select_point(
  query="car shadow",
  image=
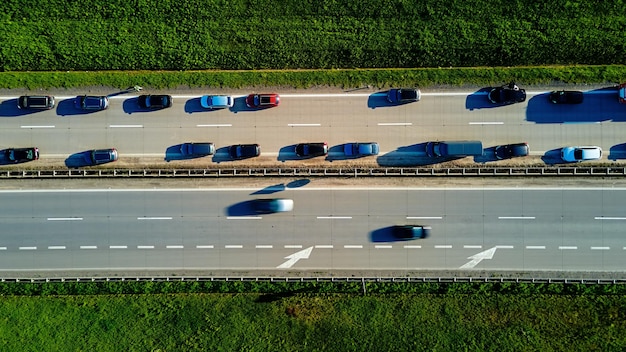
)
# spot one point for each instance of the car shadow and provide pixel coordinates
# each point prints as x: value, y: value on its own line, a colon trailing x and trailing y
x: 9, y: 108
x: 378, y: 100
x: 384, y: 234
x: 598, y: 105
x: 270, y: 189
x: 193, y: 106
x: 410, y: 155
x: 479, y: 100
x: 553, y: 157
x: 80, y: 159
x: 245, y: 208
x: 489, y: 154
x: 131, y: 106
x: 617, y: 151
x: 298, y: 183
x: 288, y: 153
x: 239, y: 105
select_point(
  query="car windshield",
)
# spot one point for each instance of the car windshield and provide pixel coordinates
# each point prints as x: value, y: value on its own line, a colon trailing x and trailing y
x: 578, y: 154
x: 408, y: 94
x: 265, y: 100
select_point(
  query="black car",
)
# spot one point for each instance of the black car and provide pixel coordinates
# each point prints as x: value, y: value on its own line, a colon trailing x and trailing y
x: 310, y: 150
x: 507, y: 94
x: 409, y: 232
x: 508, y: 151
x: 43, y: 102
x: 154, y: 101
x: 566, y: 97
x: 21, y: 155
x: 101, y: 156
x: 403, y: 95
x: 90, y: 102
x: 244, y: 151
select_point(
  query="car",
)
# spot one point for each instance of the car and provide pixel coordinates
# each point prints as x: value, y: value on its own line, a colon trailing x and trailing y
x: 214, y: 102
x: 197, y: 149
x: 21, y: 155
x: 275, y: 205
x: 508, y: 151
x: 403, y: 95
x: 90, y: 102
x: 35, y: 102
x: 575, y: 154
x: 310, y: 150
x: 154, y: 101
x: 101, y: 156
x: 410, y: 232
x: 622, y: 93
x: 243, y: 151
x: 566, y: 97
x: 361, y: 149
x: 261, y: 101
x: 507, y: 94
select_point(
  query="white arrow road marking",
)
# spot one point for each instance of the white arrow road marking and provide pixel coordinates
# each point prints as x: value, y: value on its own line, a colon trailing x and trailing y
x: 477, y: 258
x: 303, y: 254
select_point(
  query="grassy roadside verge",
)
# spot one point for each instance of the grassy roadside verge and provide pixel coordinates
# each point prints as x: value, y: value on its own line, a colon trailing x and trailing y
x: 353, y: 78
x: 208, y: 316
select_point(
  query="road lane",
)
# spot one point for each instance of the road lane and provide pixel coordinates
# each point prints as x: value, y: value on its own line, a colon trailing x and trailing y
x: 533, y: 229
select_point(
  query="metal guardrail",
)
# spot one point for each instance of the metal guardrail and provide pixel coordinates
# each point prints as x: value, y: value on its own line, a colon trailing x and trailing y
x: 316, y: 172
x: 325, y: 279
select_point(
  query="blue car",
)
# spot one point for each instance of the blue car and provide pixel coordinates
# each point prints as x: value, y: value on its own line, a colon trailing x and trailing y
x: 360, y: 149
x: 403, y: 95
x: 213, y: 102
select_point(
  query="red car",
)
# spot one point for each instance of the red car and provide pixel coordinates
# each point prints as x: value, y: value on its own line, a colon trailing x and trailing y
x: 261, y: 101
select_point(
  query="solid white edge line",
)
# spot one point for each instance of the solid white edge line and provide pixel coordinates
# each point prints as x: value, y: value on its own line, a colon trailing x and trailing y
x: 88, y: 247
x: 383, y: 246
x: 324, y: 246
x: 145, y: 247
x: 233, y: 246
x: 535, y: 247
x: 56, y: 247
x: 204, y: 246
x: 568, y: 247
x: 264, y: 246
x: 353, y: 246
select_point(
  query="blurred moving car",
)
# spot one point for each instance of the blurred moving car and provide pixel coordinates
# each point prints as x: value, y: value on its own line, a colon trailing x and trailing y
x: 244, y: 151
x: 622, y: 93
x: 507, y: 94
x: 214, y: 102
x: 21, y: 155
x: 261, y: 101
x: 197, y: 149
x: 575, y: 154
x: 35, y: 102
x: 154, y: 101
x: 508, y: 151
x: 310, y: 150
x: 566, y: 97
x: 276, y: 205
x: 102, y: 156
x: 409, y: 232
x: 403, y: 95
x: 361, y: 149
x: 90, y: 102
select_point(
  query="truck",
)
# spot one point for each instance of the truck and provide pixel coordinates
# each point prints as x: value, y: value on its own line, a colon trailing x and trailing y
x: 454, y: 148
x: 197, y: 149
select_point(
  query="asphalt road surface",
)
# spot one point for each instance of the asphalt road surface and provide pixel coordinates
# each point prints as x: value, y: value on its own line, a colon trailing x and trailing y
x: 334, y: 118
x: 560, y: 229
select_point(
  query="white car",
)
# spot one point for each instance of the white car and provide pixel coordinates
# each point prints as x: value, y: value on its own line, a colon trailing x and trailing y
x: 575, y: 154
x: 276, y: 205
x: 216, y: 102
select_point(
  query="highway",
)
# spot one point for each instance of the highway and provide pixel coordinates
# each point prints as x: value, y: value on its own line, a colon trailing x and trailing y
x: 560, y: 229
x: 335, y: 118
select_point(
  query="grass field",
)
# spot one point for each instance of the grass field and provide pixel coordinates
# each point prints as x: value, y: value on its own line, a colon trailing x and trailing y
x: 242, y: 34
x: 321, y: 322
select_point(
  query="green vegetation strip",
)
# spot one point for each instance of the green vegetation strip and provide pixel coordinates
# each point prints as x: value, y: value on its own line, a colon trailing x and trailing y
x: 190, y: 316
x: 377, y: 78
x: 260, y: 34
